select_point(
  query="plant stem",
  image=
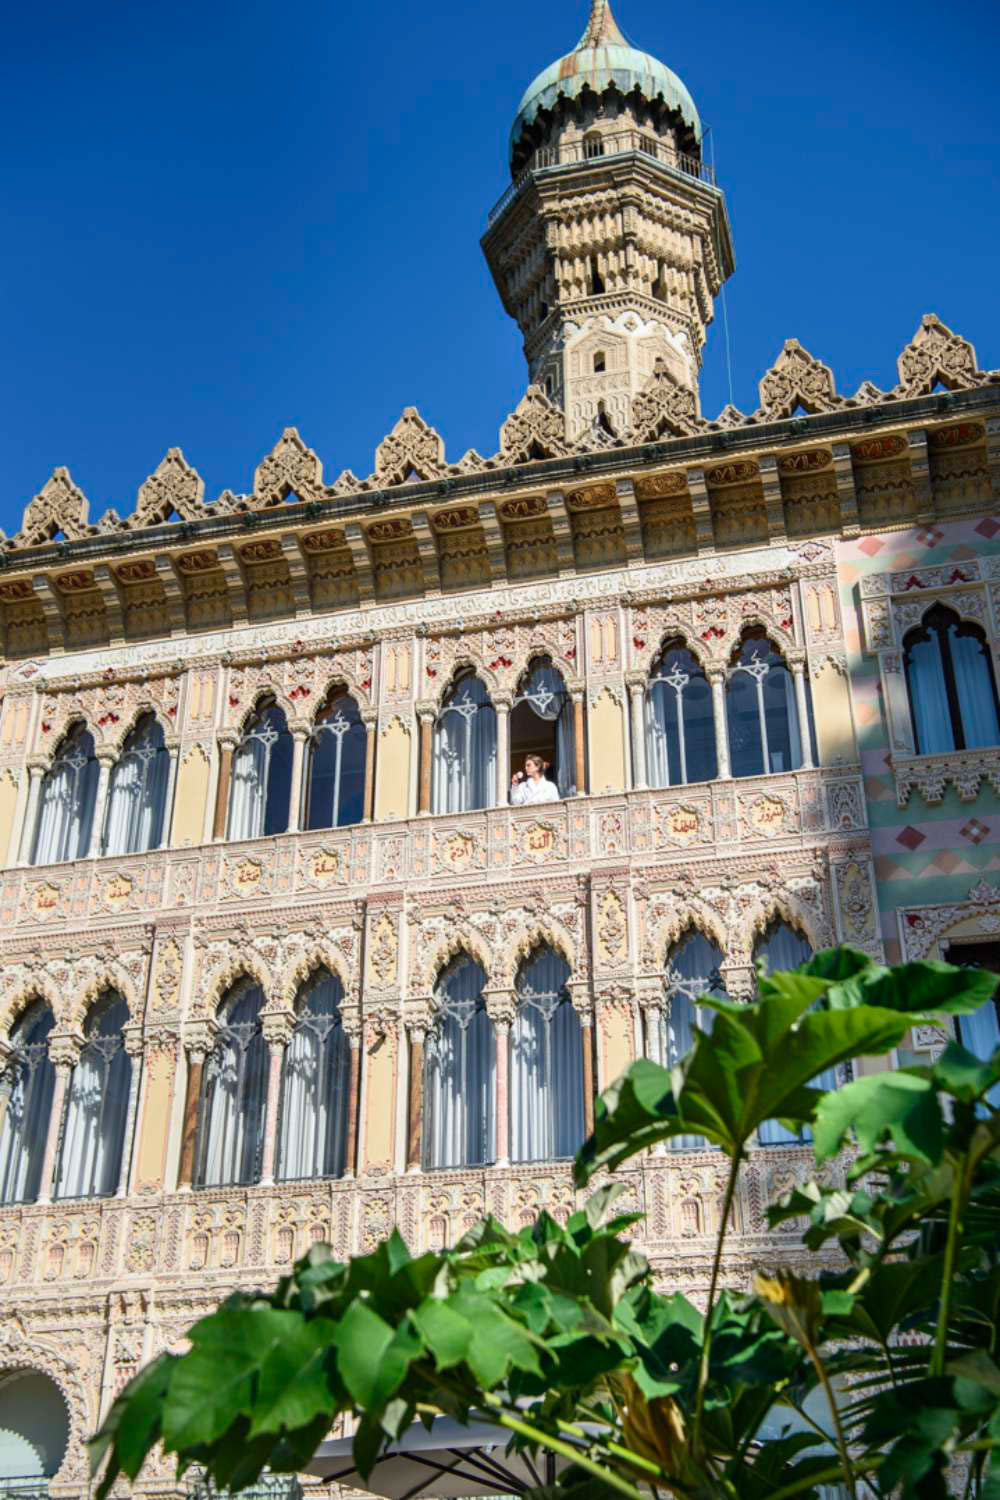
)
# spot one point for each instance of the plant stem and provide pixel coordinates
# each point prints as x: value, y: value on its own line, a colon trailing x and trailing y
x: 568, y: 1451
x: 825, y: 1476
x: 706, y: 1344
x: 950, y: 1249
x: 845, y: 1458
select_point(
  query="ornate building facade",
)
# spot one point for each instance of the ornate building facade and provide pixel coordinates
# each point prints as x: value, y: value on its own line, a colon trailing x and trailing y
x: 283, y: 959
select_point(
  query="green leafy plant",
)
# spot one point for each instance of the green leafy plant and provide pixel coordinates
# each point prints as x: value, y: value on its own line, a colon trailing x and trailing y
x: 880, y: 1369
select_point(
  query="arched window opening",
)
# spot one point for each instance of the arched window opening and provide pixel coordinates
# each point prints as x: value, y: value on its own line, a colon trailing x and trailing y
x: 97, y: 1106
x: 953, y: 691
x: 782, y: 948
x: 546, y: 1056
x: 234, y: 1095
x: 680, y: 726
x: 694, y: 969
x: 593, y: 145
x: 262, y: 775
x: 659, y: 287
x: 137, y: 795
x: 596, y: 279
x: 541, y: 723
x: 34, y: 1432
x: 460, y: 1072
x: 465, y: 748
x: 68, y: 797
x: 31, y: 1078
x: 335, y: 789
x: 600, y: 362
x: 316, y: 1075
x: 762, y: 713
x: 980, y: 1032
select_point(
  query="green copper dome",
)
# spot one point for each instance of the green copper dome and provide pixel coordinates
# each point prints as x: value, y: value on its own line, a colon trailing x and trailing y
x: 603, y: 58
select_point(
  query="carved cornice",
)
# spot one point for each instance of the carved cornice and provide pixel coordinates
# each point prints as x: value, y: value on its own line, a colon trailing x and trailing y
x: 965, y: 770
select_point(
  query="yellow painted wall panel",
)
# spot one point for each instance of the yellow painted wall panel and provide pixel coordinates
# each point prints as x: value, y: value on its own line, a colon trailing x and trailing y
x: 834, y: 725
x: 189, y: 803
x: 392, y: 773
x: 607, y: 746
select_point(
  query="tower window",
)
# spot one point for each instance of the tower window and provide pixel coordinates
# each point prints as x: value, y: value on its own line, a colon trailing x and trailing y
x: 596, y: 279
x: 600, y: 363
x: 592, y: 145
x: 548, y: 385
x: 660, y: 284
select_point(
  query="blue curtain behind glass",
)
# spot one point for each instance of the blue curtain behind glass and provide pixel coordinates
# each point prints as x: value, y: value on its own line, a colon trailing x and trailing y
x: 974, y: 683
x: 928, y: 698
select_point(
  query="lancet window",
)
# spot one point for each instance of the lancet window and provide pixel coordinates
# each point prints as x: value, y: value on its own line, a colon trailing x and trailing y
x: 234, y: 1093
x: 97, y: 1106
x: 460, y: 1072
x: 316, y: 1077
x: 335, y: 789
x: 465, y: 748
x: 680, y: 727
x: 137, y: 795
x: 694, y: 969
x: 951, y: 683
x: 262, y: 775
x: 31, y: 1078
x: 68, y: 798
x: 541, y: 723
x: 546, y: 1056
x: 782, y: 948
x: 763, y: 717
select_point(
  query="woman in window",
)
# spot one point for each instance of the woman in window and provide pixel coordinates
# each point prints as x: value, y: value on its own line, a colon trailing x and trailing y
x: 459, y: 1098
x: 763, y: 716
x: 69, y: 793
x: 680, y: 728
x: 953, y: 692
x: 546, y: 1075
x: 541, y: 725
x: 464, y: 760
x: 532, y: 784
x: 335, y: 789
x: 314, y: 1106
x: 780, y: 949
x: 138, y: 792
x: 262, y: 775
x: 235, y: 1093
x: 94, y: 1134
x: 694, y: 969
x: 25, y: 1127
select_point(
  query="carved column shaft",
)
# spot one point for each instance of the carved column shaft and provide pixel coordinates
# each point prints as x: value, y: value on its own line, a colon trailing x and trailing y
x: 723, y: 771
x: 502, y: 1031
x: 100, y: 805
x: 369, y: 803
x: 637, y: 696
x: 587, y: 1040
x: 128, y: 1148
x: 426, y: 740
x: 580, y: 745
x: 277, y: 1053
x: 805, y: 738
x: 414, y: 1133
x: 35, y: 774
x: 62, y: 1072
x: 503, y: 752
x: 222, y: 791
x: 189, y: 1125
x: 168, y: 801
x: 353, y: 1098
x: 295, y: 789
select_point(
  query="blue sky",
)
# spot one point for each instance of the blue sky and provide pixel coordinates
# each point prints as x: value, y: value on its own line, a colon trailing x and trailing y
x: 222, y: 219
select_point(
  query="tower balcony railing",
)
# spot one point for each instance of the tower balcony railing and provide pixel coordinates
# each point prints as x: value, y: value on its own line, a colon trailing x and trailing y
x: 593, y: 148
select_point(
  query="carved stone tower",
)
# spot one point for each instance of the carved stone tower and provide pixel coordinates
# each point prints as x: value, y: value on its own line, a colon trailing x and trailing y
x: 612, y: 239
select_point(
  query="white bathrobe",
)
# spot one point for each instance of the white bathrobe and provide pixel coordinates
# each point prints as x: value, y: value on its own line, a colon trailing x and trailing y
x: 528, y: 791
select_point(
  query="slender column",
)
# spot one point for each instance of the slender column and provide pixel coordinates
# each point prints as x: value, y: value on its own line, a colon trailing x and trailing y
x: 717, y: 678
x: 805, y: 738
x: 502, y: 1032
x: 587, y: 1039
x: 637, y: 694
x: 14, y: 842
x: 6, y: 1082
x: 353, y: 1103
x: 189, y: 1126
x: 64, y: 1051
x: 105, y: 762
x: 425, y: 714
x: 295, y: 790
x: 276, y: 1033
x: 133, y: 1046
x: 502, y: 705
x: 36, y: 774
x: 168, y: 802
x: 368, y: 719
x: 414, y: 1134
x: 222, y: 789
x: 580, y: 744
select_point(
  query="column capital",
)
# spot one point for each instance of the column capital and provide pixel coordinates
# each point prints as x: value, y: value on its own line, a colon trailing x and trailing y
x: 426, y: 710
x: 227, y: 739
x: 501, y: 1004
x: 133, y: 1040
x: 369, y: 717
x: 65, y: 1048
x: 106, y: 756
x: 635, y: 682
x: 277, y: 1027
x: 504, y: 701
x: 199, y: 1039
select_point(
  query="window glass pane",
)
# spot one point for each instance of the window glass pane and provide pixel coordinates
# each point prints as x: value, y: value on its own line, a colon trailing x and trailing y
x: 974, y: 686
x: 745, y: 751
x: 928, y: 696
x: 337, y: 767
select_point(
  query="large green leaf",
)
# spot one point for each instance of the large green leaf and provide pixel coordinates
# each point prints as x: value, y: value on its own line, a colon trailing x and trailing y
x: 901, y: 1106
x: 294, y: 1381
x: 132, y: 1427
x: 372, y: 1356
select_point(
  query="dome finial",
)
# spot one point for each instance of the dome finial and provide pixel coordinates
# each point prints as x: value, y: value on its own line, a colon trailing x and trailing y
x: 602, y: 28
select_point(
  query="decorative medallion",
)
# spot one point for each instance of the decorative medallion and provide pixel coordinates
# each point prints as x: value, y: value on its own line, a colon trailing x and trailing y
x: 874, y: 448
x: 255, y: 552
x: 596, y: 498
x: 768, y: 816
x: 523, y: 508
x: 682, y: 825
x: 323, y: 867
x: 45, y: 901
x: 734, y: 473
x: 74, y: 583
x: 389, y: 531
x: 246, y: 877
x: 457, y: 852
x: 116, y: 891
x: 323, y: 541
x: 655, y: 486
x: 456, y: 520
x: 538, y: 841
x: 806, y: 462
x: 959, y: 436
x: 197, y: 562
x: 136, y: 572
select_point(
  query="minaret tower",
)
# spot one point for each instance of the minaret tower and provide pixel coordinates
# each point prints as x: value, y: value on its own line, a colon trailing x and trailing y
x: 612, y: 239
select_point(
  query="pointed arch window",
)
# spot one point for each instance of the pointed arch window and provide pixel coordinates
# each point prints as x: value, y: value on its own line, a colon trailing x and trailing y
x: 782, y: 948
x: 761, y: 708
x: 97, y: 1106
x: 31, y: 1080
x: 541, y: 723
x: 335, y: 789
x: 980, y: 1032
x: 137, y: 794
x: 68, y: 798
x: 680, y: 725
x: 262, y: 775
x: 951, y: 683
x: 316, y: 1077
x: 464, y: 760
x: 694, y: 969
x: 460, y: 1072
x: 546, y: 1056
x: 234, y: 1093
